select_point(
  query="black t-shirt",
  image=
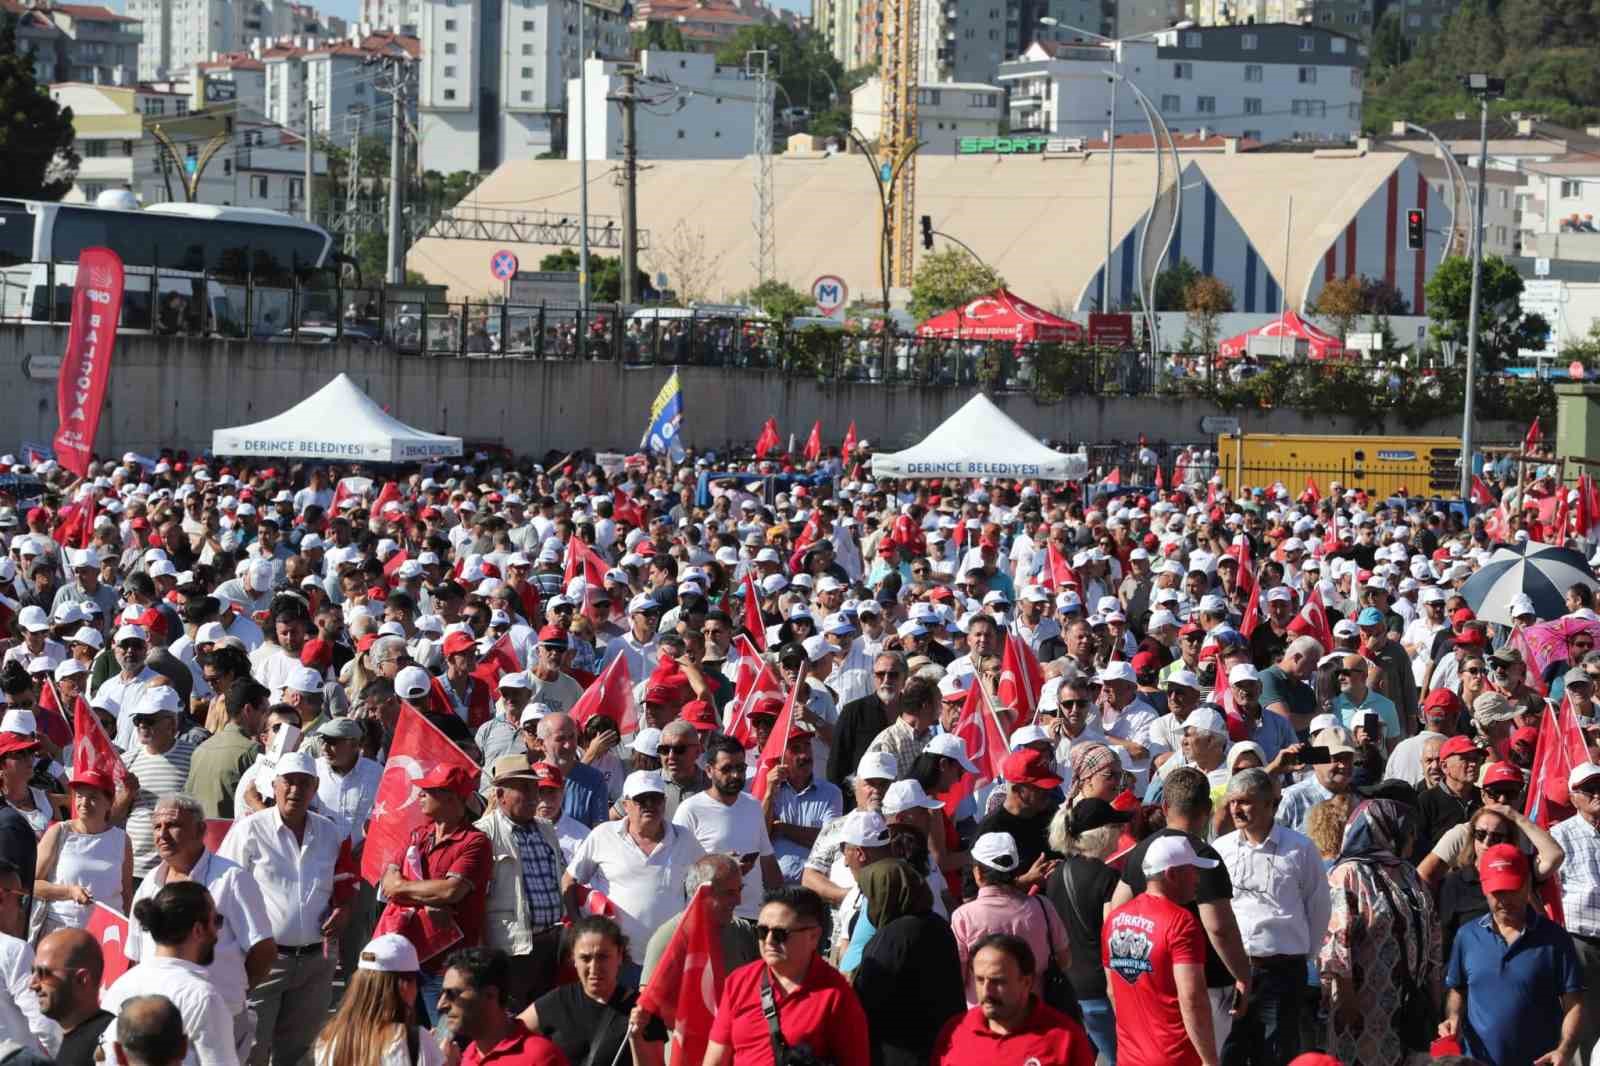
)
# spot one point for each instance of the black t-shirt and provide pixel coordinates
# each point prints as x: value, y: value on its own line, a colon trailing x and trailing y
x: 451, y: 726
x: 1031, y: 832
x: 587, y: 1031
x: 1439, y: 810
x: 909, y: 983
x: 1461, y: 900
x: 1079, y: 889
x: 1213, y: 885
x: 77, y: 1047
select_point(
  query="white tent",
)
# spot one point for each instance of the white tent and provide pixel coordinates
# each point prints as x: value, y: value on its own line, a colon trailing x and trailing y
x: 980, y: 440
x: 338, y: 421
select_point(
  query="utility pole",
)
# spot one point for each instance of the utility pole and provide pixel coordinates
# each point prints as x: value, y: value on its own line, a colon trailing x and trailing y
x: 311, y: 110
x: 1483, y: 87
x: 583, y: 165
x: 397, y: 86
x: 630, y: 185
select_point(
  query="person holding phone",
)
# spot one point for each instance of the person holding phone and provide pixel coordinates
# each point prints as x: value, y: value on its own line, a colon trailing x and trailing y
x: 1332, y: 758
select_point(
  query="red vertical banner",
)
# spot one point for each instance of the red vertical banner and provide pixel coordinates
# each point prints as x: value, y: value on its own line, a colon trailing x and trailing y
x: 86, y: 364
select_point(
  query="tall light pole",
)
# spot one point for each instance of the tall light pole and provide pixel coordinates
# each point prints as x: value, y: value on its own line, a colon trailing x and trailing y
x: 1483, y: 87
x: 583, y: 175
x: 1115, y: 44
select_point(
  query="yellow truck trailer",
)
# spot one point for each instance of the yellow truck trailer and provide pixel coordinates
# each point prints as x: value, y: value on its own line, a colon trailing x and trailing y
x: 1423, y: 466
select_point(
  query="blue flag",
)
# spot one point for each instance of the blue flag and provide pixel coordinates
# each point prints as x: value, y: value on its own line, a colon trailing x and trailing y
x: 666, y: 419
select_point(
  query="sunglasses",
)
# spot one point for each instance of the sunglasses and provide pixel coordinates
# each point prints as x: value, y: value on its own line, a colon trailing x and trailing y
x: 886, y: 673
x: 674, y: 749
x: 779, y: 935
x: 1072, y: 703
x: 1484, y: 836
x: 1476, y: 671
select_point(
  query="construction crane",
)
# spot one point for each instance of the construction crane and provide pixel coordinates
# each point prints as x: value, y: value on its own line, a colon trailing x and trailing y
x: 900, y: 36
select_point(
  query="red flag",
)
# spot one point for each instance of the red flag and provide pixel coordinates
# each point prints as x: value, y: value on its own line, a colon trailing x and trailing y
x: 1556, y: 532
x: 1480, y: 494
x: 979, y: 732
x: 349, y: 488
x: 611, y: 694
x: 778, y: 740
x: 418, y: 747
x: 1021, y: 678
x: 217, y: 832
x: 753, y: 624
x: 1313, y: 621
x: 1161, y: 481
x: 110, y: 928
x: 1530, y: 443
x: 1211, y: 494
x: 86, y: 365
x: 1561, y: 746
x: 814, y: 442
x: 625, y: 510
x: 686, y: 986
x: 91, y: 749
x: 74, y: 524
x: 808, y: 533
x: 392, y: 565
x: 755, y: 681
x: 768, y: 439
x: 390, y: 493
x: 848, y: 448
x: 1248, y: 587
x: 580, y: 554
x: 50, y: 716
x: 499, y: 660
x: 1312, y: 489
x: 1115, y: 477
x: 1057, y: 574
x: 1582, y: 517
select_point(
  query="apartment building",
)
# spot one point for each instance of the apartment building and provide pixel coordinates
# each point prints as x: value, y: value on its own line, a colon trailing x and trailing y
x: 337, y: 81
x: 239, y: 78
x: 78, y: 42
x: 1261, y: 83
x: 705, y: 111
x: 180, y: 33
x: 947, y: 112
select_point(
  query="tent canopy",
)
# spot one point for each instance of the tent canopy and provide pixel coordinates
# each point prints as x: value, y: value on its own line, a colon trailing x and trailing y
x: 980, y: 440
x: 1292, y: 328
x: 1002, y: 315
x: 338, y: 421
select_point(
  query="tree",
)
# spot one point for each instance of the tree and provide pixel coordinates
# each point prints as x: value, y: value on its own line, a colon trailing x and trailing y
x: 780, y: 300
x: 1389, y: 45
x: 685, y: 257
x: 35, y: 132
x: 659, y: 36
x: 605, y: 274
x: 950, y: 278
x: 1342, y: 302
x: 1206, y: 300
x: 1503, y: 328
x: 799, y: 58
x: 1172, y: 286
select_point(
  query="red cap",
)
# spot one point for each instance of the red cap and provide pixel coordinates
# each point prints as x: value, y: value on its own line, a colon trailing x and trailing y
x: 771, y: 706
x: 1143, y: 662
x: 700, y: 714
x: 1502, y: 868
x: 457, y: 779
x: 15, y: 742
x: 1471, y: 638
x: 1190, y: 629
x: 1442, y: 703
x: 547, y: 775
x: 989, y: 542
x: 458, y: 642
x: 95, y: 779
x: 365, y: 642
x: 153, y: 621
x: 1028, y: 766
x: 1501, y: 773
x: 377, y: 592
x: 317, y: 654
x: 37, y: 514
x: 1460, y: 746
x: 1525, y: 735
x: 660, y: 692
x: 1315, y: 1058
x: 1463, y: 614
x: 553, y: 635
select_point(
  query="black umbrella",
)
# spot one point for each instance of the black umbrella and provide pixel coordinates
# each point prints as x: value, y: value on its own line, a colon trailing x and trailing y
x: 1541, y: 572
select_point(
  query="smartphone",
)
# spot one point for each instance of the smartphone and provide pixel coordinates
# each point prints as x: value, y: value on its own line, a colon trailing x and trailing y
x: 1314, y: 756
x: 749, y: 858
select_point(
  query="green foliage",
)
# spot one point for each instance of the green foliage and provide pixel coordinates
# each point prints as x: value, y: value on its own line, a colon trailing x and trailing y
x: 659, y: 36
x: 1502, y: 326
x: 780, y: 300
x: 949, y: 278
x: 605, y: 273
x: 1172, y: 285
x: 800, y: 58
x: 1389, y: 45
x: 35, y: 131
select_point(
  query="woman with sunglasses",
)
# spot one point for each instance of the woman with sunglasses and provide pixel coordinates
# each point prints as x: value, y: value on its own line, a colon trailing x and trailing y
x: 592, y: 1018
x: 816, y: 1008
x: 1452, y: 865
x: 376, y: 1021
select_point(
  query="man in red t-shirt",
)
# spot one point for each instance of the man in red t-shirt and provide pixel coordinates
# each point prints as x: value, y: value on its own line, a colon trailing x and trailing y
x: 472, y: 1005
x: 1010, y: 1023
x: 1154, y: 954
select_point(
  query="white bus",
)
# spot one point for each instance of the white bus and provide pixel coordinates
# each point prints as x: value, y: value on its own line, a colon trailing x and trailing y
x: 175, y: 257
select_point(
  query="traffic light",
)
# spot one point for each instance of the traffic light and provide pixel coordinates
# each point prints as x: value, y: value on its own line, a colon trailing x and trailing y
x: 1416, y: 228
x: 927, y: 233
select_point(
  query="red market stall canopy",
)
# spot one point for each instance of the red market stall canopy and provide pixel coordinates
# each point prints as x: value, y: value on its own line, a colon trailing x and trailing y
x: 1292, y: 328
x: 1002, y: 316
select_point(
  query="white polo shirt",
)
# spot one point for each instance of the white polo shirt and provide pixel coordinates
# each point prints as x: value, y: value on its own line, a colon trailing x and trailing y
x: 646, y: 890
x: 738, y: 828
x: 244, y: 922
x: 206, y: 1021
x: 296, y: 877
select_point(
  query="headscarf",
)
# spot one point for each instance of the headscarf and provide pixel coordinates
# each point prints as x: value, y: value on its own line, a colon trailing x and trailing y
x: 893, y: 888
x: 1088, y: 760
x: 1376, y: 829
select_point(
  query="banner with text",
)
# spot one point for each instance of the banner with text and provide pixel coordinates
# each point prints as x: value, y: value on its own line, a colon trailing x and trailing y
x: 86, y: 365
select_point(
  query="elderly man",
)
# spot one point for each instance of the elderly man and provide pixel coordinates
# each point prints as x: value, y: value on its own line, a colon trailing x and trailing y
x: 737, y: 935
x: 1284, y: 687
x: 1272, y: 731
x: 679, y: 751
x: 525, y: 908
x: 1453, y: 800
x: 909, y: 734
x: 587, y: 798
x: 245, y: 949
x: 1441, y: 718
x: 1282, y: 905
x: 826, y: 872
x: 862, y: 721
x: 546, y: 681
x: 347, y: 787
x: 628, y: 861
x: 1205, y: 747
x: 157, y: 766
x: 127, y: 687
x: 1356, y: 695
x: 501, y: 734
x: 798, y: 804
x: 1125, y: 719
x: 1327, y: 779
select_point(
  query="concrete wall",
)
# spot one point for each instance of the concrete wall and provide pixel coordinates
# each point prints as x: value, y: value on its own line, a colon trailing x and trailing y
x: 175, y: 392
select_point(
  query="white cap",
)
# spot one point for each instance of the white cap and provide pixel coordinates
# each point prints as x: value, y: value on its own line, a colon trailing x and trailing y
x: 866, y: 829
x: 911, y: 628
x: 70, y: 668
x: 1322, y: 721
x: 877, y: 766
x: 949, y: 745
x: 1243, y: 673
x: 817, y: 646
x: 1117, y: 671
x: 1167, y: 852
x: 1279, y: 593
x: 304, y: 679
x: 295, y: 762
x: 533, y: 712
x: 516, y: 680
x: 1580, y: 773
x: 33, y: 619
x: 159, y: 699
x: 18, y: 720
x: 1184, y: 679
x: 643, y: 783
x: 1206, y: 720
x: 1522, y: 604
x: 131, y: 633
x: 646, y: 742
x: 1028, y: 734
x: 389, y: 953
x: 904, y: 795
x: 88, y: 636
x: 209, y: 633
x: 411, y: 683
x: 998, y: 851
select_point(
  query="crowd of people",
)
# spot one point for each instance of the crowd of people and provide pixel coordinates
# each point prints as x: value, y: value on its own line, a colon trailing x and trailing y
x: 959, y: 771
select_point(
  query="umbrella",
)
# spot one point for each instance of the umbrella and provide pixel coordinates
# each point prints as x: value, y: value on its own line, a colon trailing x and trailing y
x: 1542, y: 572
x: 1548, y: 642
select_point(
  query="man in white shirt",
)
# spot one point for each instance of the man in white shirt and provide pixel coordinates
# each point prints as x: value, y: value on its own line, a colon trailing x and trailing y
x: 638, y: 644
x: 16, y: 964
x: 1125, y: 719
x: 1282, y: 905
x: 245, y: 950
x: 34, y: 625
x: 638, y: 862
x: 127, y: 686
x: 182, y: 921
x: 303, y: 863
x: 347, y: 788
x: 727, y: 820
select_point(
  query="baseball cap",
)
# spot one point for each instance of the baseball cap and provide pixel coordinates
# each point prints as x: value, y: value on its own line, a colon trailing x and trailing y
x: 1028, y: 766
x: 1578, y: 676
x: 389, y: 953
x: 1336, y: 740
x: 1441, y: 703
x: 1243, y: 674
x: 866, y: 829
x: 1168, y: 852
x: 412, y: 683
x: 646, y: 741
x: 1117, y: 671
x: 33, y: 619
x: 458, y: 642
x: 997, y: 851
x: 1581, y: 773
x: 296, y: 762
x: 906, y: 795
x: 877, y: 766
x: 159, y: 699
x: 1206, y: 720
x: 1028, y: 734
x: 1460, y: 746
x: 457, y: 779
x: 1369, y: 616
x: 96, y: 779
x: 950, y: 746
x: 1093, y: 812
x: 644, y: 783
x: 1502, y: 868
x: 304, y: 679
x: 1501, y: 773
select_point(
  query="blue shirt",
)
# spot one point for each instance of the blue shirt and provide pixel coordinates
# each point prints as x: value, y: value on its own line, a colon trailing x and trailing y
x: 1298, y: 799
x: 1346, y: 709
x: 819, y: 804
x: 585, y: 798
x: 1274, y: 733
x: 1513, y: 991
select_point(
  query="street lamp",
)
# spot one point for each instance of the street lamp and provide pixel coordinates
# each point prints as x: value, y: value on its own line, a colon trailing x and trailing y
x: 1484, y: 88
x: 1116, y: 44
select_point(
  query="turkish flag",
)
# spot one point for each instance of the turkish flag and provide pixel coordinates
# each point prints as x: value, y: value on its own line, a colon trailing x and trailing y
x: 814, y: 442
x: 1312, y: 490
x: 499, y: 660
x: 808, y: 533
x: 1057, y: 574
x: 390, y: 493
x: 391, y: 566
x: 1115, y: 477
x: 848, y: 448
x: 978, y: 729
x: 778, y: 741
x: 753, y: 624
x: 610, y: 695
x: 582, y: 558
x: 686, y: 986
x: 110, y: 928
x: 1021, y: 678
x: 1480, y: 493
x: 625, y: 510
x: 1247, y: 586
x: 768, y: 439
x: 347, y: 488
x: 75, y: 524
x: 1161, y: 482
x: 754, y: 681
x: 1312, y: 621
x: 92, y: 750
x: 1561, y: 747
x: 1531, y: 442
x: 418, y: 747
x: 50, y: 717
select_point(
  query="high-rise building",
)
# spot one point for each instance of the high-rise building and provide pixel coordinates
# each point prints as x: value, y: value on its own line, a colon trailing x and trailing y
x: 705, y: 111
x: 180, y: 33
x: 80, y: 43
x: 338, y: 80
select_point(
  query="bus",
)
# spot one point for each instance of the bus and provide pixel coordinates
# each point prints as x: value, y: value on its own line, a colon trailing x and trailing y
x: 1381, y: 465
x: 176, y: 257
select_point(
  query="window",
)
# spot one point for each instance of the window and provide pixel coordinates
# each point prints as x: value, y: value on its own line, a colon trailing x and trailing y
x: 1206, y: 105
x: 527, y: 25
x: 1414, y: 21
x: 1308, y: 75
x: 1253, y: 72
x: 526, y: 96
x: 1248, y: 42
x: 1183, y: 71
x: 1250, y: 135
x: 1353, y: 110
x: 1308, y: 42
x: 361, y: 88
x: 449, y: 72
x: 1309, y: 108
x: 259, y: 187
x: 1252, y: 105
x: 527, y: 49
x: 1191, y: 40
x: 449, y: 24
x: 183, y: 105
x: 527, y: 72
x: 449, y: 48
x: 1171, y: 104
x: 680, y: 135
x: 1571, y: 190
x: 227, y: 166
x: 449, y: 94
x: 1337, y: 45
x: 1355, y: 79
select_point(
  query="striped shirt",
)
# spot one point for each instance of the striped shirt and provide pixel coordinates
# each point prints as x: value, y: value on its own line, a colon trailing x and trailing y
x: 158, y: 775
x: 1580, y: 875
